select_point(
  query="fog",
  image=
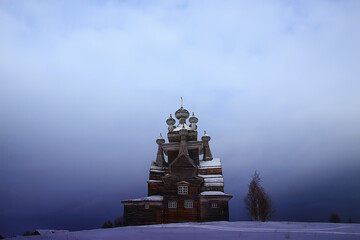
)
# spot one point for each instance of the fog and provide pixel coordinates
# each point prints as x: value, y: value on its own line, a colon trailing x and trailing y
x: 86, y: 88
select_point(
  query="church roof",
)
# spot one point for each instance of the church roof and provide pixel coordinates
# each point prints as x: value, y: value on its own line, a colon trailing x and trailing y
x: 213, y: 180
x: 153, y: 198
x: 214, y: 163
x: 214, y: 193
x: 181, y: 126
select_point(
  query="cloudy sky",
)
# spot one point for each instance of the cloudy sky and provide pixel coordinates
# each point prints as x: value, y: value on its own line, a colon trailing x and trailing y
x: 86, y: 87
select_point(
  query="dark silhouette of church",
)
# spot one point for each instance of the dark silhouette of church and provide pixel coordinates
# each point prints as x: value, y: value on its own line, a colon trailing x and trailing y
x: 184, y: 188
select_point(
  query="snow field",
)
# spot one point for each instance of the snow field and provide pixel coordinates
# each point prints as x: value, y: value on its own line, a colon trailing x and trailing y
x: 218, y: 231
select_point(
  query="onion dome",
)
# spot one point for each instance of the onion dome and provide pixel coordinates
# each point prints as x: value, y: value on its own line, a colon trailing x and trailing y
x: 182, y: 114
x: 206, y: 150
x: 170, y: 121
x: 193, y: 119
x: 160, y: 140
x: 205, y: 138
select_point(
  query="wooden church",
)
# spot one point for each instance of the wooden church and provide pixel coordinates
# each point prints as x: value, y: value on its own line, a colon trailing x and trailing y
x: 187, y: 187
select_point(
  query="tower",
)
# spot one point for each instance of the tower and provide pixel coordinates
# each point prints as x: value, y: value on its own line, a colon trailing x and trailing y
x: 187, y: 187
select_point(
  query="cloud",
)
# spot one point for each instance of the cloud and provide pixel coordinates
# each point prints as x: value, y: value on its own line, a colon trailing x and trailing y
x: 84, y: 84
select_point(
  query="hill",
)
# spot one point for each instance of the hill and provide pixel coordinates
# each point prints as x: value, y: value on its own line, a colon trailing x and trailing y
x: 216, y: 230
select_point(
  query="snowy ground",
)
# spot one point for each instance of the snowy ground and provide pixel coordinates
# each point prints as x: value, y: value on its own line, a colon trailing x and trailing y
x: 218, y: 231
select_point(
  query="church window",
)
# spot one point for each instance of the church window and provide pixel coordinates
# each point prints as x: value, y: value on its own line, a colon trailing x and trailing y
x: 146, y: 206
x: 214, y: 205
x: 172, y: 204
x: 182, y: 190
x: 189, y: 204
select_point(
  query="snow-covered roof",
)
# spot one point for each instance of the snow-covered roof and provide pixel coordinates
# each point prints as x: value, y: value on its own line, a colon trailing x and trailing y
x: 149, y: 198
x: 215, y: 163
x: 213, y: 193
x: 214, y: 184
x: 155, y: 168
x: 181, y: 126
x: 210, y: 175
x: 154, y: 181
x: 215, y: 180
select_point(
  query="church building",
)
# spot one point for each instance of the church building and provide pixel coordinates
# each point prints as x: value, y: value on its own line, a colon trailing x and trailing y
x: 188, y: 186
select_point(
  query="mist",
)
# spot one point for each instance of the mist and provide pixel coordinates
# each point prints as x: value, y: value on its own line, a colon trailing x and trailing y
x: 86, y: 88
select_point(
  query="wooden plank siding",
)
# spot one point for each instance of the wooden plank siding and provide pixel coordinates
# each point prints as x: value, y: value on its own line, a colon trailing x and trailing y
x: 220, y: 213
x: 137, y: 214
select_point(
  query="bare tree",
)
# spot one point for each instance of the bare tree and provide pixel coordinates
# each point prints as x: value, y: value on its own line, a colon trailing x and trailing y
x: 258, y: 203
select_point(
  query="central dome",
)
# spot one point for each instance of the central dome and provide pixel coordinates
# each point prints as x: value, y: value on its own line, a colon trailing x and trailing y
x: 182, y: 113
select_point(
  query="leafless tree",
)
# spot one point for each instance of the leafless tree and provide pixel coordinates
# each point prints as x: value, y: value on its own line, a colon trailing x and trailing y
x: 258, y: 203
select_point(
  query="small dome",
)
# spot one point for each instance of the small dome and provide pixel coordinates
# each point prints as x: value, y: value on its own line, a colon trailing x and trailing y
x: 205, y: 138
x: 193, y: 119
x: 170, y: 121
x: 160, y: 139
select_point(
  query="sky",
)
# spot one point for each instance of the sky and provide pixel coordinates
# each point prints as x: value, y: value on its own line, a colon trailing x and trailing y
x: 86, y: 88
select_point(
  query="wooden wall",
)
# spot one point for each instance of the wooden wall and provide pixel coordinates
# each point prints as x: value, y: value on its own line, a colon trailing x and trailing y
x: 137, y: 214
x: 221, y: 213
x: 181, y: 214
